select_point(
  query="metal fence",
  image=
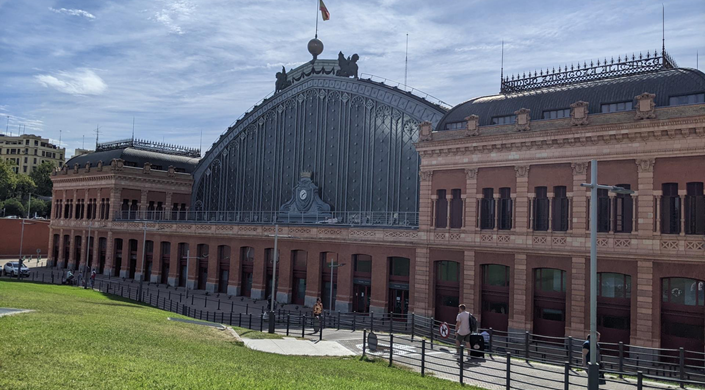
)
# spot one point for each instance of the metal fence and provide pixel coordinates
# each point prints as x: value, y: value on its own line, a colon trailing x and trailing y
x: 344, y: 218
x: 415, y: 341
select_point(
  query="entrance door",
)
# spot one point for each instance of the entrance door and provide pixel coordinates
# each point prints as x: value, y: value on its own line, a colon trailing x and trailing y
x: 223, y: 281
x: 399, y: 301
x: 495, y: 297
x: 549, y: 302
x: 202, y: 276
x: 246, y: 281
x: 447, y: 302
x: 683, y: 318
x: 165, y: 271
x: 183, y: 274
x: 299, y: 291
x: 148, y: 273
x: 361, y: 298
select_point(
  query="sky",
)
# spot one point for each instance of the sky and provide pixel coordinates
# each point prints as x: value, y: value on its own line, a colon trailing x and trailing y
x: 182, y: 68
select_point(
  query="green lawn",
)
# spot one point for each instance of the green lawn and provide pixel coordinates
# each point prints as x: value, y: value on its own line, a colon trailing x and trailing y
x: 81, y: 339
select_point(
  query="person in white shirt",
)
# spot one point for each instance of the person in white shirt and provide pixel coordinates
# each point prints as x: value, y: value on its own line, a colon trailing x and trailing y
x: 462, y: 329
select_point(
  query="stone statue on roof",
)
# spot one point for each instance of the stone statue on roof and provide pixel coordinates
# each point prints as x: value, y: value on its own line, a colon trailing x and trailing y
x: 348, y: 67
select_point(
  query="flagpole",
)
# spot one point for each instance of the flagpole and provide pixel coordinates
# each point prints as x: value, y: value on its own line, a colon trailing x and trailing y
x: 317, y: 6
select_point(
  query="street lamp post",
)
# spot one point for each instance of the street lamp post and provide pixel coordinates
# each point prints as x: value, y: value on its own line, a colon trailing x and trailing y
x: 274, y: 271
x: 593, y: 367
x: 332, y: 266
x: 188, y: 257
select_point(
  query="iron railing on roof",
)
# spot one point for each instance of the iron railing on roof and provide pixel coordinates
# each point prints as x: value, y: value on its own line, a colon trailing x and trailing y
x: 576, y: 74
x: 159, y: 147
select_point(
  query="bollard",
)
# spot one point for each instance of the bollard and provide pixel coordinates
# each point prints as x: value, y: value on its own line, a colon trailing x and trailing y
x: 250, y: 326
x: 364, y: 341
x: 205, y: 301
x: 489, y: 347
x: 157, y: 297
x: 191, y: 297
x: 391, y: 349
x: 509, y: 370
x: 320, y: 327
x: 681, y: 365
x: 288, y: 321
x: 338, y: 319
x: 372, y: 322
x: 247, y: 309
x: 180, y: 298
x: 353, y: 325
x: 391, y: 325
x: 569, y: 349
x: 621, y: 359
x: 232, y: 303
x: 423, y: 357
x: 526, y: 346
x: 239, y: 320
x: 566, y: 376
x: 432, y: 332
x: 412, y: 326
x: 303, y: 325
x: 231, y: 318
x: 218, y: 303
x: 261, y: 322
x: 639, y: 380
x: 462, y: 348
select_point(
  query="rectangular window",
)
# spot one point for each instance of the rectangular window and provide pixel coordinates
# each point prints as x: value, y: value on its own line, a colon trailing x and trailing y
x: 457, y: 125
x: 541, y: 209
x: 505, y: 208
x: 363, y: 264
x: 504, y: 120
x: 25, y: 160
x: 670, y: 209
x: 550, y: 279
x: 616, y: 107
x: 557, y: 114
x: 694, y: 209
x: 448, y: 271
x: 603, y: 211
x: 623, y: 211
x: 456, y: 209
x: 399, y: 266
x: 560, y: 209
x: 495, y: 275
x: 687, y: 99
x: 441, y: 209
x: 487, y: 209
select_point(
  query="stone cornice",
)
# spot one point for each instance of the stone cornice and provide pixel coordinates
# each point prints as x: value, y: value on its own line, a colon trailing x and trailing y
x: 653, y: 130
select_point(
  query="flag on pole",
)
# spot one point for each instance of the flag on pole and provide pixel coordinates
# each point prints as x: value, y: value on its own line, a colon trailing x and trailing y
x: 324, y: 11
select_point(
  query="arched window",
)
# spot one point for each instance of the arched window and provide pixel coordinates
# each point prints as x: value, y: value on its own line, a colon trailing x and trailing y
x: 683, y: 291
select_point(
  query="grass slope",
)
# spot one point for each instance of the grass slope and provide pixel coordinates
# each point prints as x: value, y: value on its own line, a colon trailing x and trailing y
x: 81, y: 339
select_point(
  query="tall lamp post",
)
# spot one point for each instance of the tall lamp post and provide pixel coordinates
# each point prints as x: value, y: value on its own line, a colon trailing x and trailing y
x: 88, y: 248
x: 144, y: 254
x: 189, y: 257
x: 332, y: 266
x: 593, y: 367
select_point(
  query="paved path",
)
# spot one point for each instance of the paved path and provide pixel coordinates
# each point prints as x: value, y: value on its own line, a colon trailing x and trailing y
x: 5, y: 311
x: 293, y: 346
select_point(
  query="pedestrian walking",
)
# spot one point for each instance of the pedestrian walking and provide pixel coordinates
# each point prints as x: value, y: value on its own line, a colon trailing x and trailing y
x: 463, y: 330
x: 317, y: 311
x: 92, y: 279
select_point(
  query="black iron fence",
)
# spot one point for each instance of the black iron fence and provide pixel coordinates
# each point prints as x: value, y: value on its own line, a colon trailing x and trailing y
x: 416, y: 341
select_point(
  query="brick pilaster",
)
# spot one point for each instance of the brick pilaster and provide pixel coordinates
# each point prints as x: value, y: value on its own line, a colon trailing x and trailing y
x: 522, y: 201
x: 578, y: 290
x: 645, y: 335
x: 425, y: 201
x: 645, y: 200
x: 422, y: 278
x: 468, y: 284
x: 579, y: 199
x: 518, y: 320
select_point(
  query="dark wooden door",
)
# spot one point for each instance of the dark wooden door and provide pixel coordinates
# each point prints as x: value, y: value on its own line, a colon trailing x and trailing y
x: 361, y: 298
x: 399, y: 301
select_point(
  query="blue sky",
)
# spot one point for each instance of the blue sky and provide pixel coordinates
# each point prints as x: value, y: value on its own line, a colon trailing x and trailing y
x: 180, y: 67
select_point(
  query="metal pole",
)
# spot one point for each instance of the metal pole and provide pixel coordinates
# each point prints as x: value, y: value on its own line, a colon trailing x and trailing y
x: 144, y: 251
x: 188, y: 256
x: 593, y: 383
x: 19, y: 265
x: 88, y: 248
x: 330, y: 303
x: 274, y: 271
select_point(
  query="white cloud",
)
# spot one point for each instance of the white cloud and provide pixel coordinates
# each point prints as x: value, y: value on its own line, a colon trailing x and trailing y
x: 174, y: 14
x: 73, y: 12
x: 79, y: 82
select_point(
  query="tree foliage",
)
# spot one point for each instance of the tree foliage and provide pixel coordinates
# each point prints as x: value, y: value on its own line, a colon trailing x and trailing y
x: 7, y: 180
x: 24, y: 185
x: 41, y: 175
x: 38, y: 207
x: 13, y: 206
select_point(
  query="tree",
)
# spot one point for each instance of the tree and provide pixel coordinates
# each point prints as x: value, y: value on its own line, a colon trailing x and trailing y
x: 13, y: 206
x: 37, y: 206
x: 7, y: 180
x: 24, y: 186
x: 41, y: 175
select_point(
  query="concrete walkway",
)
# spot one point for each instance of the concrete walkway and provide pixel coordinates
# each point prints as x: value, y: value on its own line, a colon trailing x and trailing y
x: 292, y: 346
x: 5, y: 311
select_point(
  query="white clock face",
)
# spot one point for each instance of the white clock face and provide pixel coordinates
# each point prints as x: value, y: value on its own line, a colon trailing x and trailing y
x: 303, y: 194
